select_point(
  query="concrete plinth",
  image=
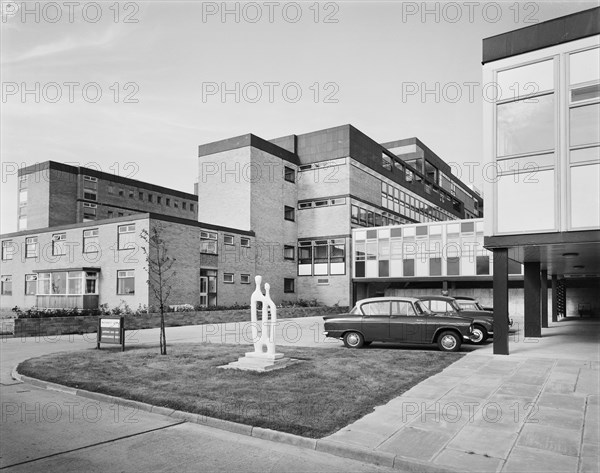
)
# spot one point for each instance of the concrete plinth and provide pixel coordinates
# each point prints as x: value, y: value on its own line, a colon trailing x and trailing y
x: 260, y: 362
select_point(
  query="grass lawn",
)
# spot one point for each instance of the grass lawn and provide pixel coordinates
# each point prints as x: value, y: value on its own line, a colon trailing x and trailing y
x: 328, y: 390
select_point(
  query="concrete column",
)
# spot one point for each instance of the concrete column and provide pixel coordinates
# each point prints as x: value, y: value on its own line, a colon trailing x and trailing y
x: 500, y: 301
x: 544, y: 297
x: 554, y: 298
x: 533, y: 319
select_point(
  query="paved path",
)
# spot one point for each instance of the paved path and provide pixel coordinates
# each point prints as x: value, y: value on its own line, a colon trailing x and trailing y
x: 53, y: 431
x: 534, y: 410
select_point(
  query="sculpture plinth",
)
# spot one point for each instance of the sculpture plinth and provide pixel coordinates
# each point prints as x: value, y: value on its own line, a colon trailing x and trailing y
x: 264, y: 356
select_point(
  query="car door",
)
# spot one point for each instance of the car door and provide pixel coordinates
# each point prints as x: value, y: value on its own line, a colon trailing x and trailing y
x: 376, y: 320
x: 405, y: 325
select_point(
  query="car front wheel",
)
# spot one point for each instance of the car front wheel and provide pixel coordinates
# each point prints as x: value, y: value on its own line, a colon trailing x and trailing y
x: 353, y: 340
x: 448, y: 341
x: 479, y: 335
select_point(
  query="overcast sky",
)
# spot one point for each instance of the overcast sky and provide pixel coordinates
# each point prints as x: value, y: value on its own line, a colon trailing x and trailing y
x: 161, y: 68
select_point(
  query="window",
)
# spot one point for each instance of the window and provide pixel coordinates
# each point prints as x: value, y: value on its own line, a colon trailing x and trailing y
x: 184, y: 205
x: 30, y: 284
x: 131, y: 194
x: 245, y: 278
x: 110, y: 189
x: 91, y: 243
x: 120, y: 214
x: 89, y: 212
x: 176, y: 204
x: 376, y: 308
x: 289, y: 285
x: 228, y: 278
x: 141, y: 195
x: 192, y: 207
x: 289, y: 174
x: 151, y: 198
x: 288, y: 252
x: 58, y: 245
x: 440, y: 307
x: 6, y: 285
x: 121, y: 193
x: 23, y: 182
x: 23, y: 222
x: 31, y: 247
x: 245, y: 242
x: 168, y: 202
x: 22, y: 197
x: 110, y: 214
x: 126, y: 236
x: 91, y: 279
x: 125, y: 282
x: 403, y: 309
x: 74, y: 282
x: 7, y: 250
x: 289, y: 213
x: 228, y: 239
x: 208, y: 243
x: 90, y: 187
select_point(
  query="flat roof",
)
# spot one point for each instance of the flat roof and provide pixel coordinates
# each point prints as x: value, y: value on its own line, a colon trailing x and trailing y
x: 542, y: 35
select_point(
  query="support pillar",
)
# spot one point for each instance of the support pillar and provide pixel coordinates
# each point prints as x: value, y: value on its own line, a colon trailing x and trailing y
x: 554, y: 298
x: 532, y: 286
x: 500, y: 301
x: 544, y: 297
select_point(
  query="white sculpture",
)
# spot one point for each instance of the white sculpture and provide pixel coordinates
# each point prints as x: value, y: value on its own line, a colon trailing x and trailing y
x: 264, y: 357
x: 266, y: 342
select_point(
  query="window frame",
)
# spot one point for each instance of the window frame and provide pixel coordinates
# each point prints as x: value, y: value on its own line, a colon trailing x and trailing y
x: 286, y: 283
x: 289, y: 211
x: 228, y: 278
x: 126, y: 276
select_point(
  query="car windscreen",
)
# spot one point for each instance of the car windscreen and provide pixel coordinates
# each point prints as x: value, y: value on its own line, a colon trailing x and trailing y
x: 422, y: 308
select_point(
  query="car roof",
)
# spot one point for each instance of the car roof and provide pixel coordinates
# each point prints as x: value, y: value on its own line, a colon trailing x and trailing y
x: 390, y: 298
x: 464, y: 298
x: 436, y: 298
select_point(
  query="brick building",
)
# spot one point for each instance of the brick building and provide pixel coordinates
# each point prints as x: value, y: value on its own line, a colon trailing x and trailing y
x: 305, y: 193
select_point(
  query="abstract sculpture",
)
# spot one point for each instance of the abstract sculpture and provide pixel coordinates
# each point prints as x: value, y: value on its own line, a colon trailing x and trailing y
x: 264, y: 357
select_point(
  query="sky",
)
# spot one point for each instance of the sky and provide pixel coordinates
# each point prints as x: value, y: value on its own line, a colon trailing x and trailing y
x: 132, y: 88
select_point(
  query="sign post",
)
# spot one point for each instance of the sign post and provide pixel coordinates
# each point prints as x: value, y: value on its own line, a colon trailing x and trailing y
x: 111, y: 330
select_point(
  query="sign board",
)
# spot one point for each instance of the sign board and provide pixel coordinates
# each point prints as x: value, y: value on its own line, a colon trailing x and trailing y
x: 111, y: 330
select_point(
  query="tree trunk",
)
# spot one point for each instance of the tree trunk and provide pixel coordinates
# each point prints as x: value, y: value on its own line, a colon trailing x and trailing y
x: 163, y: 338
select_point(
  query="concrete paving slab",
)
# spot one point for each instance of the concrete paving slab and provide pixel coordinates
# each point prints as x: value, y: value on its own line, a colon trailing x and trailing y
x: 484, y: 441
x: 532, y: 460
x: 520, y: 390
x: 364, y: 438
x: 462, y: 461
x: 574, y: 402
x: 554, y: 440
x: 588, y: 381
x: 589, y: 464
x: 558, y: 387
x: 481, y: 391
x: 557, y: 418
x: 415, y: 443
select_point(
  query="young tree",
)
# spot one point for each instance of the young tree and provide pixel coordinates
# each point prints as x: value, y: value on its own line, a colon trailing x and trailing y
x: 160, y: 274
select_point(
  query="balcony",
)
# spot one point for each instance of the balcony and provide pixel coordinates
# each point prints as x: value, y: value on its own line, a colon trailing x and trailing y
x: 59, y: 301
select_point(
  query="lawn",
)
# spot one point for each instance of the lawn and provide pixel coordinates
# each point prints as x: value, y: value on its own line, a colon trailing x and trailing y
x: 329, y: 389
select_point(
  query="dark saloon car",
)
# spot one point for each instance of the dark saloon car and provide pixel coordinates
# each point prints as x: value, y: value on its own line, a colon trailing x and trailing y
x: 483, y: 321
x: 397, y: 319
x: 468, y: 303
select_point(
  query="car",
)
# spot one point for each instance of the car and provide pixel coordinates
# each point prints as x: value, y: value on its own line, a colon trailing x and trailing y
x: 399, y: 320
x: 483, y: 321
x: 468, y: 303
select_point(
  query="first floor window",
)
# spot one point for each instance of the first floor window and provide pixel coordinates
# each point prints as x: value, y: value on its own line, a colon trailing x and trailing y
x: 7, y: 250
x: 126, y: 237
x: 89, y: 212
x: 91, y: 243
x: 228, y: 239
x: 289, y: 285
x: 208, y: 243
x: 228, y: 278
x: 125, y: 282
x: 31, y: 247
x: 30, y: 284
x: 6, y: 285
x: 245, y: 279
x: 289, y: 174
x: 288, y: 252
x: 245, y: 242
x: 58, y: 244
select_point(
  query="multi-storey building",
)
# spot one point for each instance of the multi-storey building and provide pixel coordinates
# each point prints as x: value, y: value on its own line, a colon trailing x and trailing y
x: 302, y: 194
x: 85, y: 265
x: 542, y: 134
x: 52, y: 193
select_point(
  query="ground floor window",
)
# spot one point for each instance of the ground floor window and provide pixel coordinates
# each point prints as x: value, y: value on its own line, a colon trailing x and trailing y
x: 6, y: 285
x: 126, y: 282
x: 30, y: 284
x: 64, y: 283
x: 208, y: 287
x: 289, y: 285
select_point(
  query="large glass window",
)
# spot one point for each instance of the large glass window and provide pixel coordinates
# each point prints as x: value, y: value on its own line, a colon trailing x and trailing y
x: 403, y: 309
x: 376, y: 308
